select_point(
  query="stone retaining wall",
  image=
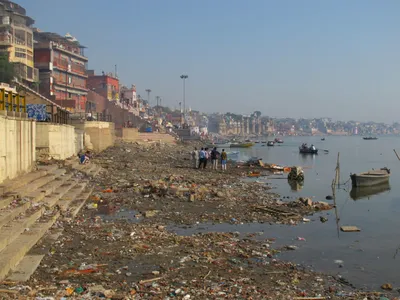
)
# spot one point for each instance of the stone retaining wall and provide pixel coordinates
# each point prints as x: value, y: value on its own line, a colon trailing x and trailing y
x: 17, y: 144
x: 98, y: 135
x: 58, y: 139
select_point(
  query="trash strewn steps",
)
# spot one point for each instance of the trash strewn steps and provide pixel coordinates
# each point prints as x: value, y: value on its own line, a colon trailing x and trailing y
x: 31, y: 204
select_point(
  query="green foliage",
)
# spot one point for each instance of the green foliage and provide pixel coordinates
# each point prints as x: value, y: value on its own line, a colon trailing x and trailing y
x: 257, y: 113
x: 7, y: 72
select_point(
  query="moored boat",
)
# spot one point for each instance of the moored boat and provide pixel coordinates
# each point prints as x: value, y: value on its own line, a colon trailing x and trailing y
x: 264, y: 142
x: 308, y: 150
x: 279, y: 141
x: 242, y: 145
x: 369, y: 138
x: 270, y: 143
x: 372, y: 177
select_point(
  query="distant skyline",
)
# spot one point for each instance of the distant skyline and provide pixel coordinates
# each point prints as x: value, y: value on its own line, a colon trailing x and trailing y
x: 310, y: 58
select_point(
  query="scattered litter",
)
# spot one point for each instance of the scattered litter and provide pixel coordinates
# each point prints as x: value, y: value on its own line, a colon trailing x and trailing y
x: 350, y: 229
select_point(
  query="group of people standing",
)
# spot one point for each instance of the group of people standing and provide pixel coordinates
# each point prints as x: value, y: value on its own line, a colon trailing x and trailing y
x: 202, y: 156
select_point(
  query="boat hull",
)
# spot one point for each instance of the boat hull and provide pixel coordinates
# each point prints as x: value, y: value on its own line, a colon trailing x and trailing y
x: 245, y: 145
x: 370, y: 178
x: 308, y: 151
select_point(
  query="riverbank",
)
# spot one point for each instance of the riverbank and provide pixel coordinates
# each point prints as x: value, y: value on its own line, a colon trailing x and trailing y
x: 119, y: 245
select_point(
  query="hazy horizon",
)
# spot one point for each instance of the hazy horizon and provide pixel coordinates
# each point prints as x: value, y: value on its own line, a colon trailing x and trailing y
x: 299, y: 59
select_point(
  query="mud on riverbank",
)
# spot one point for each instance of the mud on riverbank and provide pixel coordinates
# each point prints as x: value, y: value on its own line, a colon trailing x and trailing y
x: 102, y: 254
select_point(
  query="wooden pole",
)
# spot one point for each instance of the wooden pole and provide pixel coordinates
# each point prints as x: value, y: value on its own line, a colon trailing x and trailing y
x: 396, y: 154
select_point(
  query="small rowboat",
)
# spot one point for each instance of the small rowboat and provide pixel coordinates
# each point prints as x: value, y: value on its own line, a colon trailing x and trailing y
x: 372, y: 177
x: 242, y: 145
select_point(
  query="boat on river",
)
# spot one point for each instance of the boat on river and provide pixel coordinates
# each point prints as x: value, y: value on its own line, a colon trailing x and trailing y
x: 323, y: 139
x: 279, y: 141
x: 270, y: 143
x: 219, y: 145
x: 308, y: 150
x: 242, y: 145
x: 358, y: 193
x: 369, y: 138
x: 372, y: 177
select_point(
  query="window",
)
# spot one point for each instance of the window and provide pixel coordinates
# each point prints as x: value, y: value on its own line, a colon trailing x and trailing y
x: 20, y: 55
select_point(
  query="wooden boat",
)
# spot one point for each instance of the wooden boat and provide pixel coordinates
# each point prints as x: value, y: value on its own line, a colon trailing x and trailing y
x: 279, y: 141
x: 369, y: 138
x: 358, y: 193
x: 307, y: 150
x: 242, y: 145
x: 219, y: 145
x: 372, y: 177
x: 270, y: 143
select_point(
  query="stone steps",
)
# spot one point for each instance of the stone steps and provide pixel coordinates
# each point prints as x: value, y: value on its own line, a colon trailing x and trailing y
x: 15, y: 251
x: 23, y: 180
x: 24, y: 213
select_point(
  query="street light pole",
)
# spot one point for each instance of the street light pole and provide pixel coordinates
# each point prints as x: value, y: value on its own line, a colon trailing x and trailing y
x: 184, y: 77
x: 157, y: 99
x: 148, y: 95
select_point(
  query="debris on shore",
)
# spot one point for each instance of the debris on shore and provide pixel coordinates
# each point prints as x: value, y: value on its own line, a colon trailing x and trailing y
x: 120, y: 246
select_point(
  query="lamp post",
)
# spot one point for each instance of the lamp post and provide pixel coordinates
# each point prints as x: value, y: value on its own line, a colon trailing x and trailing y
x: 148, y: 95
x: 184, y: 77
x: 180, y: 109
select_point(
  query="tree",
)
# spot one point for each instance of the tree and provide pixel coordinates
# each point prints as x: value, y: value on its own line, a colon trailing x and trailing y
x: 7, y: 72
x: 257, y: 114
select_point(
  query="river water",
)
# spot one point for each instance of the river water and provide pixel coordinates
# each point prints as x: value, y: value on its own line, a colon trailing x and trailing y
x: 370, y: 256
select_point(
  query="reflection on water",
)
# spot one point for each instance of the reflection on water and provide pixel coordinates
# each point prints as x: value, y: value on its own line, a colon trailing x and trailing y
x: 296, y: 185
x: 358, y: 193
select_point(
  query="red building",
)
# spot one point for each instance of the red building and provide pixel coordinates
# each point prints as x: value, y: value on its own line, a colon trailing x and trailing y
x: 62, y: 69
x: 106, y: 85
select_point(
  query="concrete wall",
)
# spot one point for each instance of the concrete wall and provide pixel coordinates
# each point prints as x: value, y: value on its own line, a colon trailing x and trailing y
x: 98, y: 135
x: 17, y: 144
x: 127, y: 134
x: 58, y: 139
x: 79, y: 140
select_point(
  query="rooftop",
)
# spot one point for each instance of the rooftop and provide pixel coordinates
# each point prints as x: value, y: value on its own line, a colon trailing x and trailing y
x: 55, y: 37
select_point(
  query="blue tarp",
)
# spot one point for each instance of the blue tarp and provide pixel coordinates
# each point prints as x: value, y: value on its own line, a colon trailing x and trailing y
x: 37, y: 112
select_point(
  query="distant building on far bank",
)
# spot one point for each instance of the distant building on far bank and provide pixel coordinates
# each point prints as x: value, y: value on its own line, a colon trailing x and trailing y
x: 62, y: 69
x: 16, y: 40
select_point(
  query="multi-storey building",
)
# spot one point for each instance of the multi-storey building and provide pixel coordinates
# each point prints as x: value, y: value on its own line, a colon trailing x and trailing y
x: 62, y: 69
x: 106, y: 85
x: 16, y: 40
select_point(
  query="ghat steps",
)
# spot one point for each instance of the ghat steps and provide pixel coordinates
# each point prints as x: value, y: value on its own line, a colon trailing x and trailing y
x: 31, y: 204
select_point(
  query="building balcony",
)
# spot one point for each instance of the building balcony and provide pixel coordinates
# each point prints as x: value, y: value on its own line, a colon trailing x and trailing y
x: 70, y: 86
x: 72, y: 53
x: 64, y: 66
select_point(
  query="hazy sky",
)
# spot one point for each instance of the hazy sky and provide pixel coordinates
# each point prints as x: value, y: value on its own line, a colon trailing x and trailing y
x: 306, y: 58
